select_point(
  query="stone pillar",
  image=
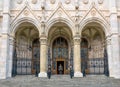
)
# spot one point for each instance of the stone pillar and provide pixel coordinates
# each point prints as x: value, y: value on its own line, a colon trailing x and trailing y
x: 114, y: 39
x: 43, y: 57
x: 10, y: 60
x: 77, y: 57
x: 4, y: 40
x: 109, y: 53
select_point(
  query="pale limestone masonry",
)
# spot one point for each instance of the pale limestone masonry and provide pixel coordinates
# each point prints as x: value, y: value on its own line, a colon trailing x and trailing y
x: 46, y: 16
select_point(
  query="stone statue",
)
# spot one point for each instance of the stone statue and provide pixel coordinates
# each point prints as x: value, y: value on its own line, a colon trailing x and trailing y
x: 60, y: 69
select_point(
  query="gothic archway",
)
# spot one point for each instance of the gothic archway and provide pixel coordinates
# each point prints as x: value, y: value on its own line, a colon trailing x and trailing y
x: 60, y: 55
x: 60, y: 45
x: 26, y: 57
x: 93, y: 50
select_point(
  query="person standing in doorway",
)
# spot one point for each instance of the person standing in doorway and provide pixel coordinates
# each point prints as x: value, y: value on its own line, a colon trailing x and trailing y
x: 60, y: 69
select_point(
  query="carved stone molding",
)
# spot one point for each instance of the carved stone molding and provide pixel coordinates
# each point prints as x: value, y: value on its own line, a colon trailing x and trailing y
x: 76, y: 40
x: 43, y: 40
x: 100, y: 1
x: 26, y: 12
x: 85, y: 1
x: 67, y: 1
x: 108, y: 41
x: 93, y: 12
x: 34, y: 1
x: 52, y: 1
x: 59, y: 13
x: 11, y: 41
x: 19, y: 1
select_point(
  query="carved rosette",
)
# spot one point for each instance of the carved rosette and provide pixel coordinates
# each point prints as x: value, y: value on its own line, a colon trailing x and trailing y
x: 34, y: 1
x: 100, y: 1
x: 19, y: 1
x: 52, y: 1
x: 93, y: 12
x: 85, y: 1
x: 67, y: 1
x: 26, y: 12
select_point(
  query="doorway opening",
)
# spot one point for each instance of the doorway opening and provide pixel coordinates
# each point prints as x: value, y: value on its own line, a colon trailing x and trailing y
x: 60, y: 67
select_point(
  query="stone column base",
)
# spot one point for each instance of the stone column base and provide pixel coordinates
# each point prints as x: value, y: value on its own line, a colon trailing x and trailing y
x: 78, y: 74
x: 42, y: 74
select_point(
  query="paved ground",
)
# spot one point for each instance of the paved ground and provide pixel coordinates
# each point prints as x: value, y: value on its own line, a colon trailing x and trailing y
x: 60, y: 81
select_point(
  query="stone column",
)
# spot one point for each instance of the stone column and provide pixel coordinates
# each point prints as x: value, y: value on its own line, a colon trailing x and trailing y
x: 109, y: 53
x: 114, y: 39
x: 10, y: 60
x: 4, y: 40
x: 77, y: 57
x: 43, y: 57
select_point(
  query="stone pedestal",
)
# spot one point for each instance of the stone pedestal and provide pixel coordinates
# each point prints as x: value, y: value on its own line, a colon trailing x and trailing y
x: 77, y: 58
x: 43, y: 57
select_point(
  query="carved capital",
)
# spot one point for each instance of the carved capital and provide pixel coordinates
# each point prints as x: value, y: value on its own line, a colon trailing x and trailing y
x: 77, y: 40
x: 11, y: 40
x: 19, y: 1
x: 108, y: 41
x: 43, y: 40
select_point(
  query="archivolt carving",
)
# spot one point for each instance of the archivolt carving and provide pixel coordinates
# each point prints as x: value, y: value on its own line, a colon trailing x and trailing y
x: 19, y: 1
x: 34, y: 1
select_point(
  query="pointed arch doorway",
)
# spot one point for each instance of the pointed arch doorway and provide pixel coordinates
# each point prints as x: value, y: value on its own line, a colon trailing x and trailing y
x: 60, y: 48
x: 60, y: 56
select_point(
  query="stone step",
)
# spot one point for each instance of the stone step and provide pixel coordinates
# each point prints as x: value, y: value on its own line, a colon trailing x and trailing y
x: 60, y: 80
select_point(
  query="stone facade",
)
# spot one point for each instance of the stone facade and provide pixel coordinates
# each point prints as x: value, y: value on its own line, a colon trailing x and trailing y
x: 77, y: 18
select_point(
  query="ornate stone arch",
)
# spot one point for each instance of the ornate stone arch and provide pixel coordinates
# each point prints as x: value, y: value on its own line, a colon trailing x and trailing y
x: 57, y: 20
x: 105, y: 26
x: 15, y: 24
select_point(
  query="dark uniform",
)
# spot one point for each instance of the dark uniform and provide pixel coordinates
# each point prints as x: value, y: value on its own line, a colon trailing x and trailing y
x: 49, y: 72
